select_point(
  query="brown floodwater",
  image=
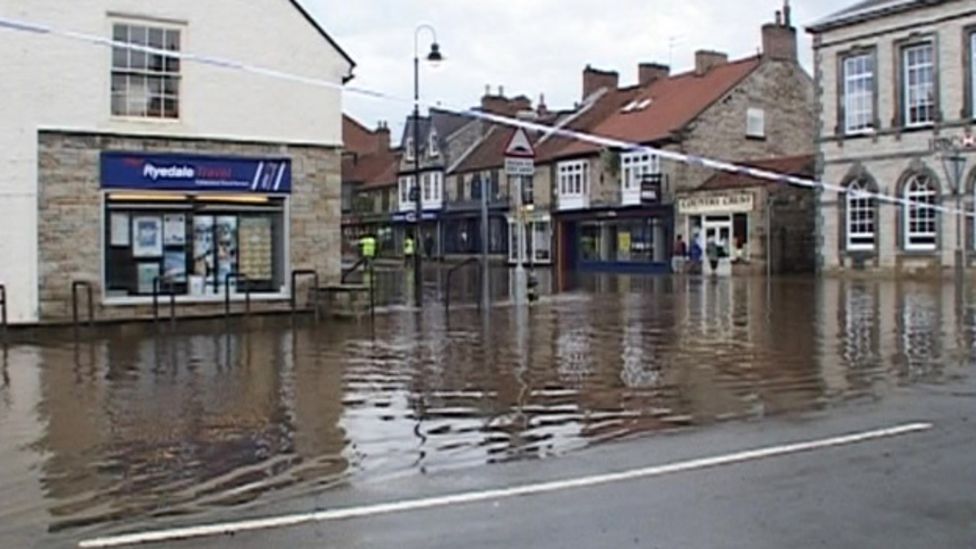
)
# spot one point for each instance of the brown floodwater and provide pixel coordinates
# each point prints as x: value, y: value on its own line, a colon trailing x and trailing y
x: 124, y: 425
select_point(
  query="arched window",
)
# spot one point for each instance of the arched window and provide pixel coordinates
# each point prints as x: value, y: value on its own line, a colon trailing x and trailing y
x: 861, y: 208
x: 921, y: 218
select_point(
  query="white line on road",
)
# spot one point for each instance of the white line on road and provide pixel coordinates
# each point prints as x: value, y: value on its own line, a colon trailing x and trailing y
x: 228, y: 528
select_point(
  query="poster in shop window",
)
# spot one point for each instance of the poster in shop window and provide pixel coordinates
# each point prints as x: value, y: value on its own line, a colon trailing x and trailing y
x: 255, y: 252
x: 203, y: 250
x: 147, y: 273
x: 147, y: 237
x: 226, y: 246
x: 120, y: 229
x: 174, y: 266
x: 174, y: 230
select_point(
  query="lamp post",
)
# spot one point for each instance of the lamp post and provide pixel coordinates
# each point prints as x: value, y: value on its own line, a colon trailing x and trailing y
x: 954, y: 164
x: 434, y: 58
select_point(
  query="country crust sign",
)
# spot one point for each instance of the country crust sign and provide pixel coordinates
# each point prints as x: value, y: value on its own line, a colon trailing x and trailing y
x: 723, y: 203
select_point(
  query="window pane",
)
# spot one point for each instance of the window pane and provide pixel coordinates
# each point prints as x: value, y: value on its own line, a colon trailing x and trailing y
x: 156, y: 38
x: 119, y: 104
x: 120, y: 58
x: 139, y: 35
x: 120, y: 33
x: 171, y: 108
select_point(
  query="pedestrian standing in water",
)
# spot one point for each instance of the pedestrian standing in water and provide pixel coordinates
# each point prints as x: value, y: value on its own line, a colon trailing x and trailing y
x: 408, y: 250
x: 695, y: 255
x: 679, y: 255
x: 711, y: 251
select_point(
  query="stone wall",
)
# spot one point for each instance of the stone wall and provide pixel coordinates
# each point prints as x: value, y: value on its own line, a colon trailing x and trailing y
x: 785, y: 93
x: 70, y: 212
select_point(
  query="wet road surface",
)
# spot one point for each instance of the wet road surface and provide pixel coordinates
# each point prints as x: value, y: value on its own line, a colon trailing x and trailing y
x: 131, y: 429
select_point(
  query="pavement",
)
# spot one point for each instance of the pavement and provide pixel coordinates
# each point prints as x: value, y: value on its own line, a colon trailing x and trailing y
x: 906, y: 491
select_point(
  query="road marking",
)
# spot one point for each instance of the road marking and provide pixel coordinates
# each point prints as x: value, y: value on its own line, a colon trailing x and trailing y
x: 227, y: 528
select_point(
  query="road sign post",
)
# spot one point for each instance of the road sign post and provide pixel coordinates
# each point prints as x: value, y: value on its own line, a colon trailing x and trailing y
x: 520, y: 165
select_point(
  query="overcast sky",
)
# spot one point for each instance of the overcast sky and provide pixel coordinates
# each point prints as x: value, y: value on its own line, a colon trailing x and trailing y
x: 537, y: 46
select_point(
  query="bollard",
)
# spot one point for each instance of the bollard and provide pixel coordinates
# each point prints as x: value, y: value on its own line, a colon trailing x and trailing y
x: 74, y: 302
x: 247, y: 293
x: 294, y: 289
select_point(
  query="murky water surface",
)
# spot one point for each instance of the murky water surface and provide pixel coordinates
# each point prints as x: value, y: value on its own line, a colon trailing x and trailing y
x: 129, y: 424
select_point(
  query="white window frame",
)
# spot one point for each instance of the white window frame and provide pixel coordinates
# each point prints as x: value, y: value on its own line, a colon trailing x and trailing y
x: 859, y: 93
x: 634, y: 166
x: 573, y: 178
x: 921, y: 224
x: 433, y: 150
x: 861, y: 231
x: 913, y: 93
x: 138, y: 71
x: 756, y: 123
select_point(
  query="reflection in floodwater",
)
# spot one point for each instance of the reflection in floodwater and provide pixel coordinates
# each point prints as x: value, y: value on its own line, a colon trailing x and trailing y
x: 135, y: 424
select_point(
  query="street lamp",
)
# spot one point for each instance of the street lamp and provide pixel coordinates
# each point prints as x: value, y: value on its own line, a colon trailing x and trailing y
x: 435, y: 59
x: 954, y: 164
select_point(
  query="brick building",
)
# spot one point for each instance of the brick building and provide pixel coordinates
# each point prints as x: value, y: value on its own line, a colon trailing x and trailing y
x: 892, y: 78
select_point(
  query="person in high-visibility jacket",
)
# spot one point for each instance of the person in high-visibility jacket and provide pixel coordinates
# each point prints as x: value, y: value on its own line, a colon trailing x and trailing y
x: 408, y: 250
x: 367, y: 246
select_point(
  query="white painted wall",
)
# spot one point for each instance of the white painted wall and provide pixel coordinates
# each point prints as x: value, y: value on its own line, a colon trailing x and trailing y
x: 54, y: 83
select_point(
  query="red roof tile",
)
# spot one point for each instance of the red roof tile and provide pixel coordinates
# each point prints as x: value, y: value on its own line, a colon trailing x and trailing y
x: 799, y: 166
x: 371, y: 170
x: 674, y: 102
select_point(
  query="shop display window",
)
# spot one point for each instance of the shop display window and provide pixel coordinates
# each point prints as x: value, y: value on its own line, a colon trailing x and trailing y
x: 190, y: 244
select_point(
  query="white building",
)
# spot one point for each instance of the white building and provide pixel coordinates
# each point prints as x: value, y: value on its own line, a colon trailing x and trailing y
x: 116, y: 161
x: 894, y: 76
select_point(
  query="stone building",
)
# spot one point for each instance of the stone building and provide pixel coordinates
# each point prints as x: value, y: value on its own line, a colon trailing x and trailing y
x: 894, y: 78
x: 614, y: 209
x: 369, y: 180
x: 127, y: 169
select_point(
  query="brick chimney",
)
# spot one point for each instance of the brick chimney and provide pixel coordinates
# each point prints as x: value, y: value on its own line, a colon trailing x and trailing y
x: 595, y: 79
x: 779, y: 37
x: 649, y: 72
x: 499, y: 104
x: 706, y: 60
x: 382, y: 137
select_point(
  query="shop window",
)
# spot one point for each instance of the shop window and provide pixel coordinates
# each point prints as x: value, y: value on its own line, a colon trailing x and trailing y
x: 920, y: 216
x: 191, y: 244
x: 542, y: 241
x: 918, y: 85
x: 145, y: 85
x: 860, y: 222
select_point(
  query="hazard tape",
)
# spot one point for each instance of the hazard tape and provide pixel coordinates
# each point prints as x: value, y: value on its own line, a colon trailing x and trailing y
x: 690, y: 159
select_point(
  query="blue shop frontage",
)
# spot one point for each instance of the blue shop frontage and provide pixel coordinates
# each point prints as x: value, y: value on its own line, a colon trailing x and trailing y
x: 199, y: 225
x: 430, y: 242
x: 616, y: 240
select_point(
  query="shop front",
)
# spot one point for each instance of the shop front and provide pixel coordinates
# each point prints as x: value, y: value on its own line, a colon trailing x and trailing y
x: 538, y: 239
x: 630, y: 240
x: 405, y: 224
x: 200, y: 220
x: 194, y: 224
x: 722, y: 219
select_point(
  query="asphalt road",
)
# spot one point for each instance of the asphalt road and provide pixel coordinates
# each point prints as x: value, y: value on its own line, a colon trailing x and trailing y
x: 910, y: 491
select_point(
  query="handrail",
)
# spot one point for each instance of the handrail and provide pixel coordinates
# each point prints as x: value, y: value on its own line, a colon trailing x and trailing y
x: 294, y: 289
x: 157, y: 286
x: 3, y: 312
x: 74, y: 301
x: 370, y: 264
x: 352, y: 270
x: 240, y: 277
x: 450, y: 275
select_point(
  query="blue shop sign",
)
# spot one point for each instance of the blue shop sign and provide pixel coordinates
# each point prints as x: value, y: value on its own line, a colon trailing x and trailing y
x: 411, y: 217
x: 171, y: 172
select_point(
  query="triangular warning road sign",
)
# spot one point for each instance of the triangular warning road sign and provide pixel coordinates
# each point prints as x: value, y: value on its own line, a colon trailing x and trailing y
x: 519, y: 145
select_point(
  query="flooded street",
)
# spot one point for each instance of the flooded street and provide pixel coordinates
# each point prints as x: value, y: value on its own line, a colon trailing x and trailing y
x: 132, y: 424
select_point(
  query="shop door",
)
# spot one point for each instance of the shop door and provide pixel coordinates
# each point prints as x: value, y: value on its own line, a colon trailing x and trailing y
x: 718, y: 228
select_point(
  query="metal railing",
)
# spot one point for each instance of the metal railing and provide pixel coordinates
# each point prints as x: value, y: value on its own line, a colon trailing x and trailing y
x: 74, y: 301
x: 239, y: 277
x: 157, y: 286
x: 450, y: 277
x: 366, y: 265
x: 3, y: 313
x: 315, y: 294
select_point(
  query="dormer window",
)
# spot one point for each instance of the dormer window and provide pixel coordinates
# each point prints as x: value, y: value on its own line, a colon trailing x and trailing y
x: 432, y: 150
x: 408, y: 149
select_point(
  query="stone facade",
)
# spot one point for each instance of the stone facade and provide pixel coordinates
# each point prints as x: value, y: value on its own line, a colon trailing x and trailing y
x: 71, y: 211
x: 783, y: 90
x: 884, y: 157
